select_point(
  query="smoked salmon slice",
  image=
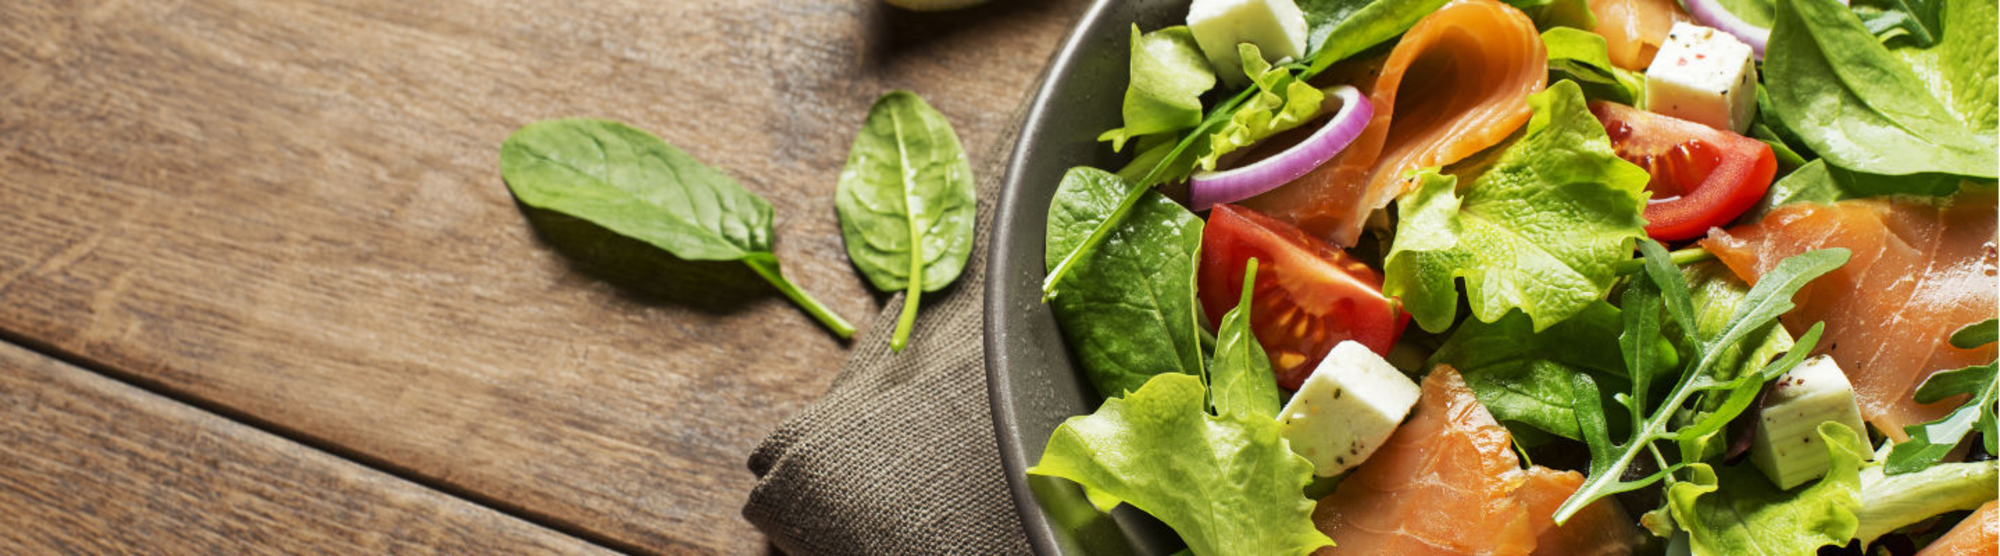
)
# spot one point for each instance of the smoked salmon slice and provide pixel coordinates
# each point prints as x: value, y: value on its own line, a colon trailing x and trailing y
x: 1633, y: 30
x: 1978, y: 535
x: 1920, y: 270
x: 1448, y: 482
x: 1456, y: 84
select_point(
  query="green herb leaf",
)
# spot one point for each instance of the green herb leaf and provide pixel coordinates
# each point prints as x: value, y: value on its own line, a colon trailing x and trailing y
x: 1930, y: 442
x: 1523, y: 377
x: 1240, y: 379
x: 1963, y: 69
x: 1860, y: 107
x: 1130, y: 312
x: 1916, y: 21
x: 1890, y: 502
x: 1281, y: 101
x: 1169, y: 74
x: 905, y: 202
x: 1337, y: 29
x: 1580, y: 56
x: 1236, y: 487
x: 1736, y: 511
x: 636, y: 185
x: 1549, y: 15
x: 1542, y: 231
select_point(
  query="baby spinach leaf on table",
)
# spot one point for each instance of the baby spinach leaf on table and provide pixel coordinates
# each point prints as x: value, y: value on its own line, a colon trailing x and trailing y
x: 1765, y: 302
x: 1736, y: 511
x: 1581, y: 56
x: 906, y: 203
x: 1239, y: 377
x: 1541, y: 231
x: 1930, y: 442
x: 1128, y: 312
x: 1168, y: 76
x: 1860, y: 107
x: 1890, y: 502
x: 1228, y: 484
x: 636, y: 185
x: 1280, y: 101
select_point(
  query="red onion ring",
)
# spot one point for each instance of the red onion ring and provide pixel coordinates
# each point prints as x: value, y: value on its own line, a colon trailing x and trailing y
x: 1206, y: 189
x: 1713, y: 14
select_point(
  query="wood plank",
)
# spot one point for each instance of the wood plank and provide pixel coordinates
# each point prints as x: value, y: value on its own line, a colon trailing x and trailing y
x: 291, y: 211
x: 95, y: 466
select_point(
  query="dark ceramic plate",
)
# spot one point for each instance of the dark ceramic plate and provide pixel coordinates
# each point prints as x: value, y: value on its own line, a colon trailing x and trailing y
x: 1033, y: 379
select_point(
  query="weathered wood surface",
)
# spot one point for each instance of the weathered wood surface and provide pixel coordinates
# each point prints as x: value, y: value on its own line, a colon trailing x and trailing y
x: 95, y: 466
x: 291, y: 212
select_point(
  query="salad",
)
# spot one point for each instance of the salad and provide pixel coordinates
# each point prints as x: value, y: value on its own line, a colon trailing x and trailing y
x: 1544, y: 277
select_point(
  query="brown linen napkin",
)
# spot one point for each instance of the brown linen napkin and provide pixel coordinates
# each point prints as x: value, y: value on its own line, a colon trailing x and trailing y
x: 899, y: 457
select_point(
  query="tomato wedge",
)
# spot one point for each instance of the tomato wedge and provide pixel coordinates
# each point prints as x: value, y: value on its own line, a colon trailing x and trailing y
x: 1702, y: 177
x: 1309, y: 297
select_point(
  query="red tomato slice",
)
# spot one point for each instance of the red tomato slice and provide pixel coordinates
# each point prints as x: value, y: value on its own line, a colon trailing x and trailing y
x: 1702, y: 177
x: 1309, y: 296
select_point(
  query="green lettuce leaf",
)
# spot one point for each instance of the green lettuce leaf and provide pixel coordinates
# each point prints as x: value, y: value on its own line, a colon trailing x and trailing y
x: 1541, y: 231
x: 1930, y: 442
x: 1736, y: 511
x: 1282, y: 101
x: 1240, y: 379
x: 1963, y: 69
x: 1168, y: 76
x: 1227, y: 484
x: 1862, y: 108
x: 1581, y: 56
x: 1130, y: 312
x: 1890, y: 502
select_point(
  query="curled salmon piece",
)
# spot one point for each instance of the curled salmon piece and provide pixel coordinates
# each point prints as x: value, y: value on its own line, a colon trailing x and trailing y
x: 1633, y: 30
x: 1978, y: 535
x: 1448, y: 482
x: 1456, y: 84
x: 1920, y: 270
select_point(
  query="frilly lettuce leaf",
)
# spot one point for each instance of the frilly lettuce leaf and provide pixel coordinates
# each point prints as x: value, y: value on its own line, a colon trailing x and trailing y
x: 1227, y: 484
x: 1736, y: 511
x: 1281, y: 102
x: 1541, y: 231
x: 1890, y: 502
x: 1168, y: 76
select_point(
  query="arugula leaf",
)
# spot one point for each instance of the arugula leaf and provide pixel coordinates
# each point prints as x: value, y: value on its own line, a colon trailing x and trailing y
x: 1337, y: 29
x: 1890, y: 502
x: 636, y: 185
x: 1228, y: 484
x: 1736, y: 511
x: 1542, y: 230
x: 1857, y: 105
x: 906, y: 203
x: 1129, y: 313
x: 1240, y: 378
x: 1169, y: 74
x: 1930, y: 442
x: 1281, y: 101
x: 1580, y: 56
x: 1765, y: 302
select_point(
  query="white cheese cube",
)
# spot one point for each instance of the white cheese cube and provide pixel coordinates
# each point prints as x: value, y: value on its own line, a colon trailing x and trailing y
x: 1703, y: 75
x: 1277, y: 27
x: 1787, y: 447
x: 1346, y: 409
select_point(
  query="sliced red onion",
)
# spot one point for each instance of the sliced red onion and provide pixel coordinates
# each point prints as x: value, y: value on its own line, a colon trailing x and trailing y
x: 1206, y: 189
x: 1713, y: 14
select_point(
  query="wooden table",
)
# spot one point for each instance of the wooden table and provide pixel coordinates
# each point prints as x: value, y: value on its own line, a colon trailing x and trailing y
x: 263, y: 290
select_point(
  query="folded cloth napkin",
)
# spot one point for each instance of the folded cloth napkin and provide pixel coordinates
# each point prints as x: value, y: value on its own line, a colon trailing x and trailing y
x: 899, y: 456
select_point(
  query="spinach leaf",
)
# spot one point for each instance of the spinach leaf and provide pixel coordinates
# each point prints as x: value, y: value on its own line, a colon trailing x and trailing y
x: 1168, y: 76
x: 636, y: 185
x: 1337, y: 29
x: 1580, y: 56
x: 1130, y: 312
x: 1240, y: 378
x: 1550, y: 15
x: 1237, y: 488
x: 1918, y: 21
x: 1860, y: 107
x: 1735, y: 510
x: 1700, y: 374
x: 1930, y: 442
x: 1542, y: 230
x: 1818, y: 182
x: 1963, y: 69
x: 905, y: 202
x: 1523, y: 377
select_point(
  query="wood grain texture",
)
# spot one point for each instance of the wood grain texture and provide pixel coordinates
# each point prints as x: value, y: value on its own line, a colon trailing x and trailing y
x: 94, y: 466
x: 291, y: 211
